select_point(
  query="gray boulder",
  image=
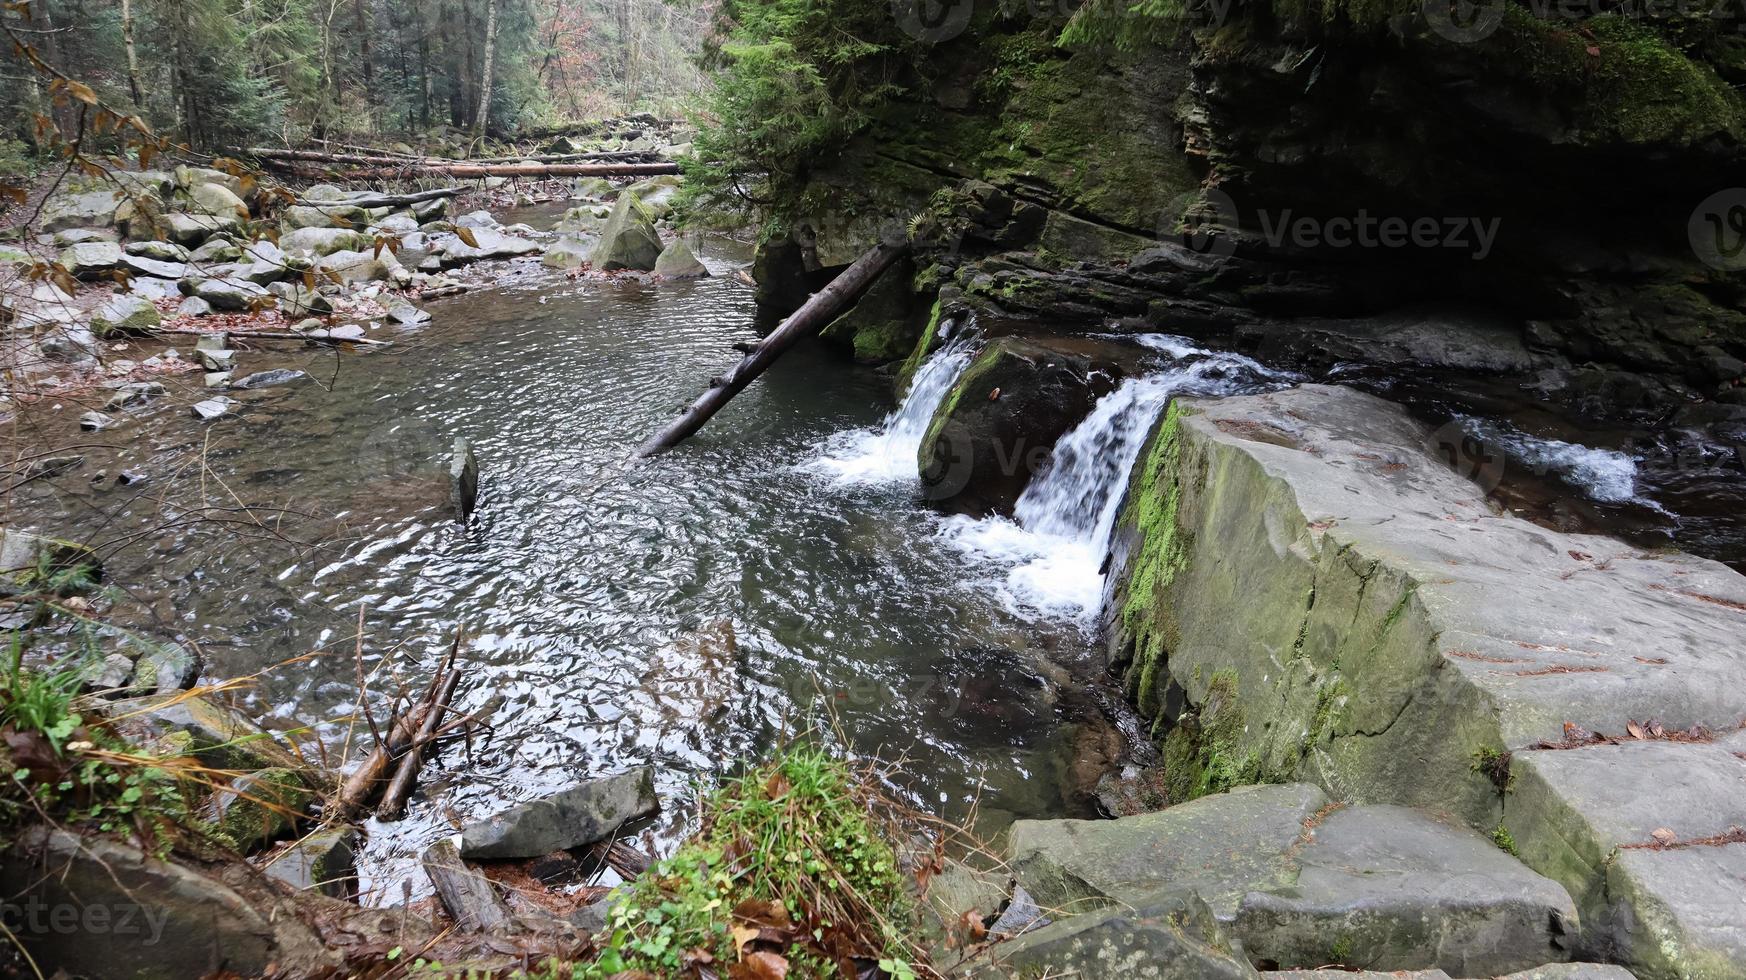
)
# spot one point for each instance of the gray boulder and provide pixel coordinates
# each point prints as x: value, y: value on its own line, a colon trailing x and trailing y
x: 216, y: 735
x: 296, y: 299
x: 108, y: 909
x: 324, y: 860
x: 125, y: 314
x: 216, y: 199
x: 301, y: 216
x: 1167, y: 936
x: 91, y: 260
x: 217, y: 360
x: 568, y: 253
x: 91, y: 209
x: 269, y: 379
x: 141, y: 266
x: 629, y: 240
x: 78, y: 236
x: 586, y: 813
x: 323, y: 241
x: 194, y: 306
x: 212, y: 407
x: 225, y: 294
x: 135, y: 393
x: 492, y: 244
x: 364, y: 266
x: 677, y: 262
x: 477, y: 219
x: 218, y: 249
x: 157, y: 251
x: 70, y: 342
x: 463, y: 479
x: 188, y: 178
x: 193, y: 229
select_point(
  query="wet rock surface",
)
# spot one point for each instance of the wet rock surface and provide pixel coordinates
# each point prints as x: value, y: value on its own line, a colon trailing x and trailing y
x: 583, y: 814
x: 1306, y: 590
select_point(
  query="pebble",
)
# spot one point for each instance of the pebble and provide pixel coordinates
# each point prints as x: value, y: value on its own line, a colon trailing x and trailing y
x: 95, y: 421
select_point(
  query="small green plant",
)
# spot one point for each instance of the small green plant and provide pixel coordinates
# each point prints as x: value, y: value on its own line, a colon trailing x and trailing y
x: 792, y: 872
x: 1494, y: 765
x: 1341, y: 951
x: 1505, y: 841
x: 60, y: 765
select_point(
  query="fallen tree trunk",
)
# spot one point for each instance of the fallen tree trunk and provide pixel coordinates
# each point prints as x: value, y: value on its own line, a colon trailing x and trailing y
x: 809, y: 319
x: 506, y: 170
x: 384, y: 200
x: 366, y: 167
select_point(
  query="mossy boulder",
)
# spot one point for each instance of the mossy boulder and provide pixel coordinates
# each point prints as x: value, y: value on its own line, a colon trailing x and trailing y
x: 568, y: 252
x: 1306, y: 590
x: 125, y: 314
x: 678, y: 262
x: 258, y: 807
x: 628, y: 240
x: 994, y: 430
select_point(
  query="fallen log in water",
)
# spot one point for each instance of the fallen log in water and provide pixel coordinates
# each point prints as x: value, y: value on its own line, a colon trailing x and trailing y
x: 405, y: 740
x: 809, y: 319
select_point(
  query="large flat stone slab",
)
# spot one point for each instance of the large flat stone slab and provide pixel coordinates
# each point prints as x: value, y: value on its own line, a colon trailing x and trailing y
x: 1307, y: 589
x: 1225, y: 846
x: 1302, y: 883
x: 1165, y: 937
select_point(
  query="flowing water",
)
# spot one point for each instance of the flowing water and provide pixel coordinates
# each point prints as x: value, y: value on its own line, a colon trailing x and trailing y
x: 685, y: 611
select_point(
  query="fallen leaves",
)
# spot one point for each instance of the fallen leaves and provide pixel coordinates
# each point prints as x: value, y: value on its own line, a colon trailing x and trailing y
x: 1664, y: 839
x: 1576, y: 737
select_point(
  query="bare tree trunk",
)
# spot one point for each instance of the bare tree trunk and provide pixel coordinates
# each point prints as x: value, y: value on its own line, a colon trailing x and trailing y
x: 809, y: 319
x: 361, y: 17
x: 490, y: 56
x: 133, y: 88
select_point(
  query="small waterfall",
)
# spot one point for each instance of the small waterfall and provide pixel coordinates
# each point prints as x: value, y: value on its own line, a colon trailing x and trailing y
x: 1053, y: 551
x: 888, y: 454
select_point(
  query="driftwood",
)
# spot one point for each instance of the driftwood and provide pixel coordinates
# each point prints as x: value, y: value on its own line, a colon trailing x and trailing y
x: 470, y: 897
x: 408, y: 734
x: 628, y: 862
x: 384, y: 200
x: 809, y: 319
x: 393, y: 805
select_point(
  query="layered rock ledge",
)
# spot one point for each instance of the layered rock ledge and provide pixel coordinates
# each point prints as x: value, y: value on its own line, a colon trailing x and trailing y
x: 1305, y: 591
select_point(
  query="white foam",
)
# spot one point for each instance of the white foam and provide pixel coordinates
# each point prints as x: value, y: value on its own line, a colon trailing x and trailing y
x: 1606, y: 475
x: 1050, y: 557
x: 888, y: 454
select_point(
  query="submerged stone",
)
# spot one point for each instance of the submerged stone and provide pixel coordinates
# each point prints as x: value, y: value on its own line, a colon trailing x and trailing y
x: 583, y: 814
